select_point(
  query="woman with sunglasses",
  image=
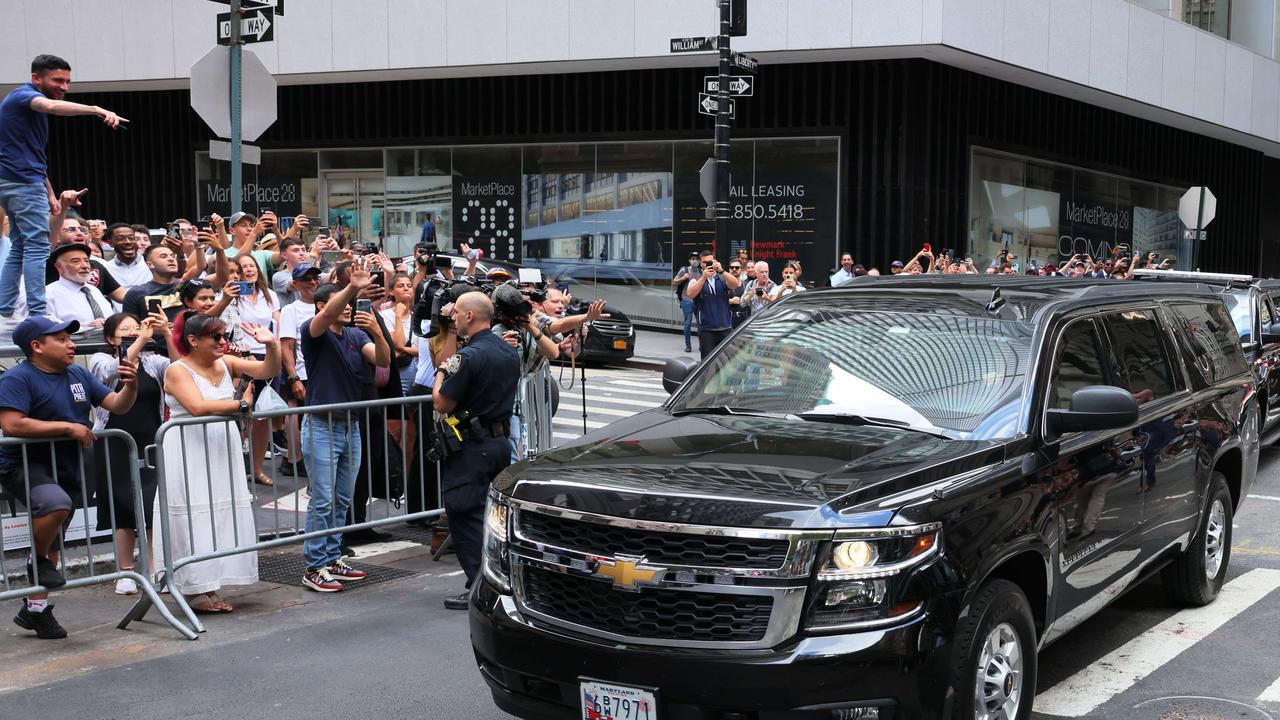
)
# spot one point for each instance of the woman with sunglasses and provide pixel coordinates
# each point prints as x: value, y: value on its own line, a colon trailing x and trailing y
x: 209, y: 502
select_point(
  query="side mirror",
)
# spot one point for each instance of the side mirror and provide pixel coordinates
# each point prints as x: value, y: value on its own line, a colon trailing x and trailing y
x: 1099, y: 407
x: 1271, y: 334
x: 675, y: 372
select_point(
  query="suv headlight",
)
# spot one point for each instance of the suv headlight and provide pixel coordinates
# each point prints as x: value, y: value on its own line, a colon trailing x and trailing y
x: 495, y: 563
x: 862, y: 576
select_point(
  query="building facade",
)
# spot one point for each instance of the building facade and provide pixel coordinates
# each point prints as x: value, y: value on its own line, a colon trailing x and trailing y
x: 564, y: 135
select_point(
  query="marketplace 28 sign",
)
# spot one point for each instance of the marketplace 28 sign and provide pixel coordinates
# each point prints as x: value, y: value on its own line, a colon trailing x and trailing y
x: 1093, y: 228
x: 282, y: 196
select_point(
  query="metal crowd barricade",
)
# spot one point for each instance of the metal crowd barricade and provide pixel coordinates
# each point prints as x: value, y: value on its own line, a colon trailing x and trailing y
x: 91, y: 575
x: 410, y: 414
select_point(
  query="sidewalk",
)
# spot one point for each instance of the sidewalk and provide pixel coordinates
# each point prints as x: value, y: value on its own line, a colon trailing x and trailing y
x: 655, y: 347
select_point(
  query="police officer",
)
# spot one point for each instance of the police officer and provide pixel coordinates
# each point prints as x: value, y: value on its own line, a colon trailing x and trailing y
x: 473, y: 389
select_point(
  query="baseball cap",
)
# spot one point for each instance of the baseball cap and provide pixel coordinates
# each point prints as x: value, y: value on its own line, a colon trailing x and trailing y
x: 694, y: 254
x: 237, y: 217
x: 1051, y: 268
x: 305, y: 269
x: 896, y: 263
x: 34, y: 327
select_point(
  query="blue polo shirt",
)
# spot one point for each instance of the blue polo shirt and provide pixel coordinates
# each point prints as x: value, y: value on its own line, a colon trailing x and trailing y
x: 335, y: 364
x: 23, y: 134
x: 712, y: 305
x: 68, y: 396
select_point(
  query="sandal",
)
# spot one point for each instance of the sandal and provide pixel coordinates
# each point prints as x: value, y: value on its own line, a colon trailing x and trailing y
x: 262, y: 479
x: 219, y: 603
x: 204, y: 604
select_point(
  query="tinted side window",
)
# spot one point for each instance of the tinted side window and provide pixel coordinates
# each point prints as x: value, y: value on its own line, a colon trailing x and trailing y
x: 1209, y: 336
x: 1264, y: 311
x: 1078, y: 365
x: 1138, y: 345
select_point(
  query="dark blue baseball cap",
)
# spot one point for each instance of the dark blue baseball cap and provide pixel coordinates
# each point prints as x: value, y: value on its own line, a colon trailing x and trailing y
x: 305, y: 269
x: 35, y: 327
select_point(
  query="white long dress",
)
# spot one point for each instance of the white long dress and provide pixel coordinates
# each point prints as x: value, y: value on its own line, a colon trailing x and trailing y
x: 205, y: 463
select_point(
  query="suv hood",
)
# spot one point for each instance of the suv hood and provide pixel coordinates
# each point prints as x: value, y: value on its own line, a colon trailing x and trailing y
x: 745, y: 471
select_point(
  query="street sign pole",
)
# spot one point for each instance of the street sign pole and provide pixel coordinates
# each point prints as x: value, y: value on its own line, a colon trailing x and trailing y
x: 1199, y: 226
x: 723, y: 121
x: 237, y: 182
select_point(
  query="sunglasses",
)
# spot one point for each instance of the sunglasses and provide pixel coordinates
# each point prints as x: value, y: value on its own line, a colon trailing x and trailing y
x: 735, y: 267
x: 219, y: 336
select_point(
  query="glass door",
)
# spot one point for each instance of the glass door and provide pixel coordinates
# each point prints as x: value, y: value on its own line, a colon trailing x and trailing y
x: 353, y: 206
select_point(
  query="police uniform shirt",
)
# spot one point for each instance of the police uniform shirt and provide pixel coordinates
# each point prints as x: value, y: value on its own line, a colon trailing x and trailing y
x: 67, y: 396
x: 482, y: 377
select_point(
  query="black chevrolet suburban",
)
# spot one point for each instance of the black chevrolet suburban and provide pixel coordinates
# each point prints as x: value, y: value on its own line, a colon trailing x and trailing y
x: 875, y: 501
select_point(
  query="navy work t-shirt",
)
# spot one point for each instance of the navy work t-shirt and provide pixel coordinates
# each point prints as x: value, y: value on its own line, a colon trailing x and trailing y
x: 23, y: 134
x: 67, y: 396
x: 335, y: 365
x: 712, y: 304
x: 483, y: 379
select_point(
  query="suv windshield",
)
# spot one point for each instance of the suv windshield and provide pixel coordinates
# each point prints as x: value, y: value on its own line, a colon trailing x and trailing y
x: 1241, y: 313
x: 960, y: 376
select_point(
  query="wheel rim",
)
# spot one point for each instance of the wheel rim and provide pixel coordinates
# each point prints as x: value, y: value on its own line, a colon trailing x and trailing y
x: 998, y: 684
x: 1214, y: 539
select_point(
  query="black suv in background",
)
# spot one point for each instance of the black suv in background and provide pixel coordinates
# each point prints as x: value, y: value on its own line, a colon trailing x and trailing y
x: 875, y: 501
x: 1253, y: 304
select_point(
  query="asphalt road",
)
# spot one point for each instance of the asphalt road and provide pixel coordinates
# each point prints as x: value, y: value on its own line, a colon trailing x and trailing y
x: 392, y: 651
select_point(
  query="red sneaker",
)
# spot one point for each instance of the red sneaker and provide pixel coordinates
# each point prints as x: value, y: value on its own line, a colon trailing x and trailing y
x: 343, y: 571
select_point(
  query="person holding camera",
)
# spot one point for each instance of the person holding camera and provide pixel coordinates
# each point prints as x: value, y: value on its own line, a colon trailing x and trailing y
x: 710, y: 291
x: 335, y: 354
x: 517, y: 326
x: 790, y: 284
x: 757, y: 289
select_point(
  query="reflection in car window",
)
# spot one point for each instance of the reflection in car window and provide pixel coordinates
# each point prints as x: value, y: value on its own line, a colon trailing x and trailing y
x: 1078, y: 366
x: 959, y: 375
x: 1241, y: 314
x: 1139, y: 348
x: 1207, y: 331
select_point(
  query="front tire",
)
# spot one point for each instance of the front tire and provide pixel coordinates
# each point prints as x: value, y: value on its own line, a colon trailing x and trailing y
x: 994, y: 674
x: 1195, y: 578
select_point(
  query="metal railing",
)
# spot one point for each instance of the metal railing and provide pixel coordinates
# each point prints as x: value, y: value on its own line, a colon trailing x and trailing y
x: 91, y: 576
x: 216, y: 443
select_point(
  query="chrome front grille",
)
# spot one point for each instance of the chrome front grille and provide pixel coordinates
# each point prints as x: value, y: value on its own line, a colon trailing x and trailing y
x: 655, y: 583
x: 613, y: 328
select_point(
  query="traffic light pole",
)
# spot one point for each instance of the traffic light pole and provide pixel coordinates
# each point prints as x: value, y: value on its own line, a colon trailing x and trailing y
x: 237, y: 181
x: 723, y: 123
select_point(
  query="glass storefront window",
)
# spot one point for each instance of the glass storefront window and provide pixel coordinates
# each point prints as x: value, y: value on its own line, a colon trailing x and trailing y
x: 1044, y: 212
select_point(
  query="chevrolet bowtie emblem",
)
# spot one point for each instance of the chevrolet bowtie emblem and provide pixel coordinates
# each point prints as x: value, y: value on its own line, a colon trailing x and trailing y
x: 629, y: 573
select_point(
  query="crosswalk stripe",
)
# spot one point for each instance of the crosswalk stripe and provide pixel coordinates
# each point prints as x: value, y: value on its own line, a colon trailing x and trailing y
x: 572, y: 422
x: 1271, y: 694
x: 609, y: 389
x: 564, y: 436
x: 604, y: 399
x: 637, y: 384
x: 1272, y: 498
x: 1123, y: 667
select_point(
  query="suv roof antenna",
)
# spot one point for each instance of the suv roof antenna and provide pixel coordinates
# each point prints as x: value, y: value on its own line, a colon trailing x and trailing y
x: 997, y: 301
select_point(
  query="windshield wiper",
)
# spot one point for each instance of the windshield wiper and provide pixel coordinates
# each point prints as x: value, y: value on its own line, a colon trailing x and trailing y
x: 727, y: 410
x: 851, y: 419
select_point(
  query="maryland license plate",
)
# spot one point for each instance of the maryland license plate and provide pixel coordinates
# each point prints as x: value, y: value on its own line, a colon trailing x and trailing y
x: 606, y: 701
x: 619, y: 344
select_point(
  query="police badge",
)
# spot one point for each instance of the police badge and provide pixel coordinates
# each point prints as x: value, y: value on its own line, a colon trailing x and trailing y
x: 452, y: 365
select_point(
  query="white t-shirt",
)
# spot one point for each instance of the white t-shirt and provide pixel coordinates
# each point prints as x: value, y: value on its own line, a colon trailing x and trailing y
x: 291, y: 319
x: 257, y: 310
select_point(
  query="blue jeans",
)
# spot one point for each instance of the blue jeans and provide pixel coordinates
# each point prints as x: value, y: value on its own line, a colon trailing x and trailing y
x: 687, y: 306
x: 331, y: 452
x: 27, y: 205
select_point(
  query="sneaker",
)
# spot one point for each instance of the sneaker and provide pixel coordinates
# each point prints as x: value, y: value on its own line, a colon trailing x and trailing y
x: 44, y: 623
x: 50, y: 577
x: 320, y: 580
x: 126, y: 586
x: 343, y: 571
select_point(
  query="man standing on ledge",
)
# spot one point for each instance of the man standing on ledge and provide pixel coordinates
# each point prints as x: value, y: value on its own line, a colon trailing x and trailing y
x: 475, y: 386
x: 710, y: 293
x: 25, y: 193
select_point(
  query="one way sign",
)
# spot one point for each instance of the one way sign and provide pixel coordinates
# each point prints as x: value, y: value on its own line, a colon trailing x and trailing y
x: 739, y: 86
x: 708, y: 105
x: 256, y: 25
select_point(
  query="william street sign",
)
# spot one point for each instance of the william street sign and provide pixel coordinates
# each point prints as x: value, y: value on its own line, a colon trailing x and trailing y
x: 694, y: 44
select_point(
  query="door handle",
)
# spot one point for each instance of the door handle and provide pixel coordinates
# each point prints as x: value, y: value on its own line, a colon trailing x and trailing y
x: 1129, y: 452
x: 1189, y: 426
